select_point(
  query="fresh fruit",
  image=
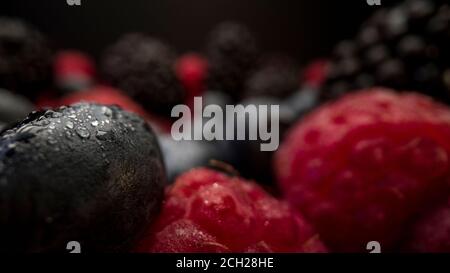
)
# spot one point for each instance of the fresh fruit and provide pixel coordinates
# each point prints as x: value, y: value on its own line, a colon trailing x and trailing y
x: 361, y: 168
x: 74, y: 71
x: 87, y: 173
x: 232, y: 55
x: 25, y: 58
x: 208, y: 211
x: 192, y: 71
x: 111, y: 96
x: 315, y: 74
x: 144, y: 68
x: 431, y: 233
x: 404, y: 47
x: 13, y: 107
x: 276, y: 77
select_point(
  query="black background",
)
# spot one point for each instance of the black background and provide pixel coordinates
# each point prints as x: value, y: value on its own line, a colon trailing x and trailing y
x: 304, y: 29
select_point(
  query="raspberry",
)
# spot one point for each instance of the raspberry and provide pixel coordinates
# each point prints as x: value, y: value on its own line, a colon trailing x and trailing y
x: 232, y: 55
x: 315, y: 74
x: 74, y: 71
x: 361, y: 168
x: 111, y: 96
x: 143, y: 68
x: 432, y: 232
x: 191, y: 70
x: 25, y: 58
x: 404, y: 47
x: 207, y: 211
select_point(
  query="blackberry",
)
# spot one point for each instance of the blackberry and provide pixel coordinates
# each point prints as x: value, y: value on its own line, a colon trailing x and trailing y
x: 87, y: 172
x: 403, y: 47
x: 25, y: 58
x: 232, y: 54
x: 143, y: 67
x: 277, y: 77
x: 13, y: 107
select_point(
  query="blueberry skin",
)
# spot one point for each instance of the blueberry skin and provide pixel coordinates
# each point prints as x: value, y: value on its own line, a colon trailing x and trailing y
x: 87, y: 173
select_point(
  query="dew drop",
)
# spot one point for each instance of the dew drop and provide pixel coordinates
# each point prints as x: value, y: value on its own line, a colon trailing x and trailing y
x: 69, y: 125
x: 106, y: 111
x: 101, y: 135
x: 56, y: 115
x: 82, y: 132
x: 94, y: 123
x: 52, y: 141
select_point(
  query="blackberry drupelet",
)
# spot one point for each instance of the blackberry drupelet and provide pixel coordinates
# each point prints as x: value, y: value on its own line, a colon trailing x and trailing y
x: 144, y: 68
x: 403, y: 47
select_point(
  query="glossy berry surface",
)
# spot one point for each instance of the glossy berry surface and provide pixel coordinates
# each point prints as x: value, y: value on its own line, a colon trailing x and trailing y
x: 89, y: 173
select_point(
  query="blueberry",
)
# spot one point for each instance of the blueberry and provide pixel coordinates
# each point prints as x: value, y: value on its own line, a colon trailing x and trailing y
x: 87, y: 173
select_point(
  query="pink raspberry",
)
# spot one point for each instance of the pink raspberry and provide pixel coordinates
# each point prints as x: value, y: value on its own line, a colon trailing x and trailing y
x: 362, y: 167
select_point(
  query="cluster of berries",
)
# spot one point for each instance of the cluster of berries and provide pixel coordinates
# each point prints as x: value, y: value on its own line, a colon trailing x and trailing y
x: 358, y: 162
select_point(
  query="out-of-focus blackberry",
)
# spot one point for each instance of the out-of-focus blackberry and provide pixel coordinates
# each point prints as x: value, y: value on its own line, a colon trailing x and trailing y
x: 25, y: 58
x: 143, y: 67
x: 278, y: 76
x: 13, y: 107
x: 232, y: 54
x: 405, y: 47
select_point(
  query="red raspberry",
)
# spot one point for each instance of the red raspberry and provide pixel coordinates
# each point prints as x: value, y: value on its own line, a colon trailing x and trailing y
x: 315, y: 73
x: 75, y: 63
x: 362, y: 167
x: 191, y: 70
x: 432, y: 232
x: 207, y: 211
x: 110, y: 96
x: 73, y: 70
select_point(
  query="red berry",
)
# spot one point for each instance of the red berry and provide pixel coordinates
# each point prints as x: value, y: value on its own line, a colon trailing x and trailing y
x: 110, y: 96
x: 73, y: 70
x: 432, y: 232
x: 191, y: 70
x: 207, y: 211
x: 362, y: 167
x: 315, y: 73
